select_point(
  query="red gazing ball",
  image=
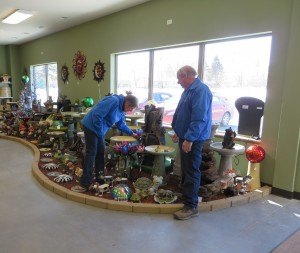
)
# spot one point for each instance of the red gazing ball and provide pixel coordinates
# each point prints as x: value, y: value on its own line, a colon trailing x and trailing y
x: 255, y: 154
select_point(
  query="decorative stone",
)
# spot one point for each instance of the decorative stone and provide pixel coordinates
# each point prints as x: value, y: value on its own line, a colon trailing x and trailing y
x: 50, y: 166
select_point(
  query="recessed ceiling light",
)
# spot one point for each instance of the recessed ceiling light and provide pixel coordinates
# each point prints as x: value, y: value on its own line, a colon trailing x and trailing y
x: 17, y: 17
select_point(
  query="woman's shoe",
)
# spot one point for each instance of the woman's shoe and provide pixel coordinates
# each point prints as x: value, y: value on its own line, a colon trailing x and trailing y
x: 78, y: 188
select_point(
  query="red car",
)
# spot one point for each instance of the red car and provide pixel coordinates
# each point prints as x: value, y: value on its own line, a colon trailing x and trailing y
x: 222, y: 110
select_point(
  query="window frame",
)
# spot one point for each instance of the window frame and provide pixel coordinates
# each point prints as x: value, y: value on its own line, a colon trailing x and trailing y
x: 46, y: 69
x: 201, y: 58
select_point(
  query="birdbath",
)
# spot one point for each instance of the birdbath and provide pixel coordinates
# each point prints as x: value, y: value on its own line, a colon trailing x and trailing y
x: 58, y: 128
x: 122, y: 162
x: 116, y: 139
x: 159, y: 152
x: 134, y: 128
x: 77, y: 118
x: 226, y: 155
x: 69, y: 121
x: 134, y: 118
x: 57, y: 135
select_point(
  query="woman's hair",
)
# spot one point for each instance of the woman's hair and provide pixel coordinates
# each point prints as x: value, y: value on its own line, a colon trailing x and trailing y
x: 131, y: 100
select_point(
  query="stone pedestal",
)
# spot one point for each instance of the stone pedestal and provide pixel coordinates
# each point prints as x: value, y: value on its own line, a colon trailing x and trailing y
x: 226, y: 155
x: 58, y: 136
x: 177, y: 164
x: 159, y: 152
x: 254, y: 172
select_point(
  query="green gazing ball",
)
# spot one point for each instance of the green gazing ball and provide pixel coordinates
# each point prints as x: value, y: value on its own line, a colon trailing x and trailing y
x: 87, y: 102
x: 25, y: 79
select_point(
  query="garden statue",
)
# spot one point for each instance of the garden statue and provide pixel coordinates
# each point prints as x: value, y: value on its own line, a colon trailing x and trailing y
x: 22, y: 129
x: 228, y: 138
x: 49, y: 104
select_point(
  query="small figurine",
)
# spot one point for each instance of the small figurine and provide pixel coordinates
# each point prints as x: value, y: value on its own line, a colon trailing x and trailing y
x: 5, y: 78
x: 78, y: 172
x: 31, y: 131
x: 49, y: 104
x: 15, y: 129
x: 228, y: 138
x: 35, y: 105
x: 157, y: 182
x: 100, y: 189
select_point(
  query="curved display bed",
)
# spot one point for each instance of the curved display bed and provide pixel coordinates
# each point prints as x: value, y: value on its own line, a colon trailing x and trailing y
x: 130, y: 206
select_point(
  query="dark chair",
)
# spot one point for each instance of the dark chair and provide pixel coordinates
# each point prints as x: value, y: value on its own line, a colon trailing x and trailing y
x: 250, y: 112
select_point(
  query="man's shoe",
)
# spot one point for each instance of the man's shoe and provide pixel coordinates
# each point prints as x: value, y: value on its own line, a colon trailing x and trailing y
x: 186, y: 213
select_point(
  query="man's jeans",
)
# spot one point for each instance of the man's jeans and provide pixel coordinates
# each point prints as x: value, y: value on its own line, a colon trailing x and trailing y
x: 94, y: 154
x: 191, y: 175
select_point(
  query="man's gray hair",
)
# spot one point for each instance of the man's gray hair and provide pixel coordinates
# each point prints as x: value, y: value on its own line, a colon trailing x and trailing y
x: 187, y: 71
x: 131, y: 100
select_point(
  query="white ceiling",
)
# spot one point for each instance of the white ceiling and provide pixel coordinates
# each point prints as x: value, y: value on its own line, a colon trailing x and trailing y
x: 48, y: 16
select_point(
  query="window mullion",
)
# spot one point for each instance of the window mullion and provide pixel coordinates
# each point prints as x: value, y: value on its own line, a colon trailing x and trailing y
x: 115, y: 89
x: 151, y: 70
x: 47, y: 83
x: 201, y: 60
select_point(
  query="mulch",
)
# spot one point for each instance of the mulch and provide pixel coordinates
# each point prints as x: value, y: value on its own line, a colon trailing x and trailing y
x: 172, y: 183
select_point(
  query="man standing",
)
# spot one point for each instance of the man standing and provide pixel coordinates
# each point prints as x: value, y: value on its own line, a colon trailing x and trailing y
x: 192, y: 125
x: 108, y: 112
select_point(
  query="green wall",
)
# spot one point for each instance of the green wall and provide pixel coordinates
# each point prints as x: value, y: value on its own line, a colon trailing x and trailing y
x: 287, y: 165
x: 10, y: 64
x: 3, y: 64
x: 14, y: 69
x: 144, y: 26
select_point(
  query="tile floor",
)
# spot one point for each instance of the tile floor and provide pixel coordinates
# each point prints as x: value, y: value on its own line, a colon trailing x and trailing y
x: 33, y: 219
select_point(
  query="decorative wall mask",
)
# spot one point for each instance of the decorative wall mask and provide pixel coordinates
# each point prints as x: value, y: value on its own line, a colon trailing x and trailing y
x: 99, y: 71
x: 64, y: 73
x: 79, y: 65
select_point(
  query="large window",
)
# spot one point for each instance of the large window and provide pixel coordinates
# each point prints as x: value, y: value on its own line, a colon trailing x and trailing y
x: 231, y: 68
x: 133, y: 73
x: 234, y: 69
x: 44, y: 81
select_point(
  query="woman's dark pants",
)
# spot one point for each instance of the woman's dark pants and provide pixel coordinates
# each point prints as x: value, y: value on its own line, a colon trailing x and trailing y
x: 94, y: 154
